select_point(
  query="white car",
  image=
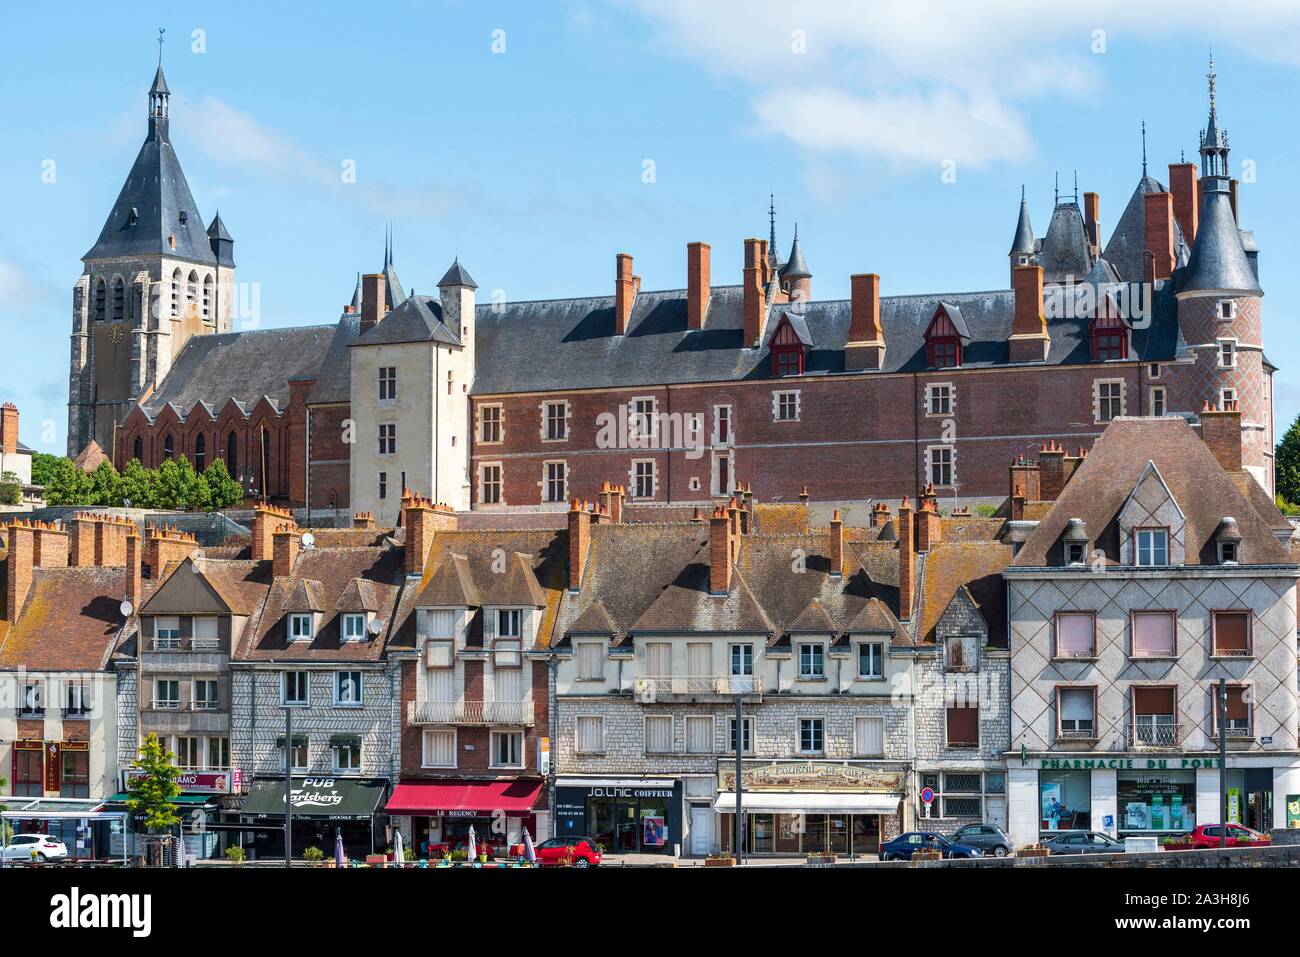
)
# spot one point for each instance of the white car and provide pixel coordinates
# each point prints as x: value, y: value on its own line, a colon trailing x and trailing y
x: 46, y: 848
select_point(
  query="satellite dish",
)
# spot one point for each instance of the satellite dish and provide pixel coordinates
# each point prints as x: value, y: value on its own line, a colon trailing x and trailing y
x: 308, y: 540
x: 126, y: 608
x: 375, y: 627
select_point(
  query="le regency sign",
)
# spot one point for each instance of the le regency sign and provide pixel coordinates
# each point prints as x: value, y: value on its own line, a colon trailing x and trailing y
x: 811, y: 776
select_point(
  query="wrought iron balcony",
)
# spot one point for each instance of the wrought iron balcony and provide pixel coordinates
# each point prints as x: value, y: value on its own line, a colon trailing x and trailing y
x: 649, y: 689
x: 1155, y: 731
x: 513, y: 713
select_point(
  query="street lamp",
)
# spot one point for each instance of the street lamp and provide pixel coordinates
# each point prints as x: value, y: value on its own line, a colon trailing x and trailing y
x: 738, y: 839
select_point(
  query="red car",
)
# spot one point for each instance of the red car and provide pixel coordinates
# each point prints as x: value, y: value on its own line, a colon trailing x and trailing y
x: 1210, y: 836
x: 560, y: 851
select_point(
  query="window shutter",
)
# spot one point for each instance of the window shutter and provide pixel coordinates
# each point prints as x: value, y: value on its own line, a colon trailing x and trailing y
x: 529, y: 626
x: 871, y: 735
x: 1076, y: 704
x: 437, y: 654
x: 1153, y: 633
x: 187, y: 626
x: 421, y: 623
x: 1230, y: 632
x: 489, y: 624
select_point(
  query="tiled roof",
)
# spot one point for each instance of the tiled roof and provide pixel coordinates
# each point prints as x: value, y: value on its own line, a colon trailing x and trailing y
x: 1102, y: 483
x: 69, y: 622
x: 977, y: 566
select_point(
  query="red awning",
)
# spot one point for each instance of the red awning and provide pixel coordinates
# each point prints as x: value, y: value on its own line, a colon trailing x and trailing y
x: 435, y: 797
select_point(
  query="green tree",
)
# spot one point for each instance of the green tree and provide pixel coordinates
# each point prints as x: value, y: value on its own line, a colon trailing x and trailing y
x: 105, y: 485
x: 65, y: 484
x: 139, y: 486
x: 151, y: 789
x: 223, y: 491
x: 1287, y: 464
x: 179, y: 485
x: 11, y: 490
x: 43, y: 466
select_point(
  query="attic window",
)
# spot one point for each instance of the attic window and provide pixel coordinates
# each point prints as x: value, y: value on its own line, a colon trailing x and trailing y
x: 942, y: 343
x: 787, y: 351
x: 1109, y: 339
x: 185, y: 217
x: 134, y: 217
x: 300, y: 627
x: 1229, y: 553
x: 1075, y: 552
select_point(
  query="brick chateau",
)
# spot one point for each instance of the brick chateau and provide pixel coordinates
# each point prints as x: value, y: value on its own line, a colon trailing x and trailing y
x: 676, y: 394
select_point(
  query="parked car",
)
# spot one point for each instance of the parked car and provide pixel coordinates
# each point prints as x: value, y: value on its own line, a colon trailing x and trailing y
x: 1083, y: 842
x: 578, y: 851
x: 46, y: 847
x: 904, y: 846
x: 989, y: 838
x: 1209, y: 835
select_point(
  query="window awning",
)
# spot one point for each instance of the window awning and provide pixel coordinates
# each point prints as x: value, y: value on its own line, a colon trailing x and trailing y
x: 340, y: 798
x: 436, y: 797
x: 808, y: 802
x: 121, y: 797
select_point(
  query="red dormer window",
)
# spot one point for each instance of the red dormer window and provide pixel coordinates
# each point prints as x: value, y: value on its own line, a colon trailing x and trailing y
x: 1109, y: 335
x: 942, y: 343
x: 787, y: 350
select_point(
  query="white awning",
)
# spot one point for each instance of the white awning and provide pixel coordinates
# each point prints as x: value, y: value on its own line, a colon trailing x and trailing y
x: 808, y: 802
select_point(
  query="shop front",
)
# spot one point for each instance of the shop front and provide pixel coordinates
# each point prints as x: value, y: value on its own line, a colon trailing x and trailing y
x: 810, y: 807
x: 436, y: 816
x: 322, y: 808
x: 203, y: 795
x: 623, y: 815
x: 91, y: 830
x: 1141, y: 795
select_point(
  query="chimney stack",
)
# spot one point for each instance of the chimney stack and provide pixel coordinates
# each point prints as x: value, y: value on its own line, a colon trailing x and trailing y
x: 755, y: 306
x: 803, y: 494
x: 697, y: 284
x: 363, y: 520
x: 8, y: 428
x: 929, y: 524
x: 1025, y: 476
x: 1051, y: 471
x: 1092, y: 219
x: 166, y: 546
x: 837, y: 544
x: 1029, y: 340
x: 134, y: 557
x: 719, y: 552
x: 906, y: 554
x: 373, y: 301
x: 1182, y: 184
x: 1160, y: 232
x: 1232, y: 199
x: 879, y: 515
x: 284, y: 551
x: 625, y: 285
x: 865, y: 348
x: 266, y: 519
x: 419, y: 531
x: 1221, y: 432
x: 616, y: 495
x: 579, y: 542
x: 81, y: 540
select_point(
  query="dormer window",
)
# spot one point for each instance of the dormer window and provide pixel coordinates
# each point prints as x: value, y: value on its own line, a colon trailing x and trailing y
x: 300, y: 628
x: 354, y: 627
x: 1076, y: 553
x: 508, y: 621
x: 787, y: 347
x: 1229, y: 552
x: 945, y: 337
x: 1109, y: 338
x: 1152, y: 546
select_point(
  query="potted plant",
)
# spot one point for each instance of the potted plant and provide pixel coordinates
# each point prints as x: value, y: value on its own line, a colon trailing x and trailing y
x: 1179, y: 842
x: 820, y: 859
x: 313, y: 855
x: 719, y: 860
x: 236, y: 854
x: 926, y: 855
x: 1033, y: 850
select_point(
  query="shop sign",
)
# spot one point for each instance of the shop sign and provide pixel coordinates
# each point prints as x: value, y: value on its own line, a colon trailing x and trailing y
x: 812, y: 776
x: 631, y: 792
x: 1293, y: 810
x: 202, y: 782
x: 1126, y: 764
x: 543, y: 756
x: 53, y: 766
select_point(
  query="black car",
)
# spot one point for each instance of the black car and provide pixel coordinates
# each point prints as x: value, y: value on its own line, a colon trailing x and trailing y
x: 1083, y: 842
x: 904, y: 846
x: 989, y: 838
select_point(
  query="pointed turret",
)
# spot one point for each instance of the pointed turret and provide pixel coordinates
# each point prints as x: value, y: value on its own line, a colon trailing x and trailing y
x: 795, y: 278
x: 457, y: 275
x: 223, y: 246
x: 1022, y: 245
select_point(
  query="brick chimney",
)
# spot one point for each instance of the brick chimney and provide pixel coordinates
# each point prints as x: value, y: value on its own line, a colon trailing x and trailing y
x: 929, y: 525
x: 284, y: 550
x: 363, y: 520
x: 81, y: 539
x: 1221, y: 432
x: 266, y: 519
x: 1051, y: 471
x: 166, y: 546
x: 419, y: 532
x: 374, y: 305
x: 1160, y: 232
x: 1182, y: 184
x: 8, y: 428
x: 1092, y: 219
x: 865, y: 348
x: 755, y: 305
x: 1025, y: 476
x: 733, y: 516
x: 579, y: 542
x: 837, y: 544
x: 719, y: 552
x: 134, y: 557
x: 625, y: 286
x: 803, y: 494
x: 1069, y: 465
x: 697, y: 284
x: 603, y: 496
x: 1017, y: 503
x: 616, y: 495
x: 879, y: 515
x: 906, y: 554
x: 1029, y: 340
x: 32, y: 544
x: 110, y: 541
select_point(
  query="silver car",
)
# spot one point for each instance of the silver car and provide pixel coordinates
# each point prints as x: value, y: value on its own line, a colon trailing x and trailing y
x: 989, y: 838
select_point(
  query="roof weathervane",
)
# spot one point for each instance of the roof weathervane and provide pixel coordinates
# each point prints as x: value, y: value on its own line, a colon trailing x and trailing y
x: 161, y: 40
x: 1211, y: 76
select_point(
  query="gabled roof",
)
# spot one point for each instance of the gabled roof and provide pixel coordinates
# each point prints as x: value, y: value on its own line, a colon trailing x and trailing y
x: 972, y: 565
x: 451, y: 584
x: 1104, y: 481
x: 417, y: 319
x: 69, y: 622
x: 194, y: 587
x: 594, y: 621
x: 357, y: 596
x: 812, y: 620
x: 304, y: 595
x: 457, y: 275
x: 1127, y: 244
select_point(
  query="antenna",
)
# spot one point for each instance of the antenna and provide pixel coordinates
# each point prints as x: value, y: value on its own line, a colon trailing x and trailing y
x: 1144, y: 147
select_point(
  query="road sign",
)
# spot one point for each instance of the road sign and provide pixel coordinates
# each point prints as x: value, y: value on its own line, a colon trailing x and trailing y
x: 927, y: 795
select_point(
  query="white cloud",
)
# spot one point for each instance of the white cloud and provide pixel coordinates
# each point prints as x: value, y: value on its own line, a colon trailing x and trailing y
x: 915, y: 81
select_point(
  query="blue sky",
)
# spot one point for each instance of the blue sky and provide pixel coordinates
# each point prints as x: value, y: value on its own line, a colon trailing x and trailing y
x: 530, y: 163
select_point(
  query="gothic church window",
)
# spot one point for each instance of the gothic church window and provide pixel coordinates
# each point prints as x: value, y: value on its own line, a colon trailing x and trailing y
x: 101, y: 296
x: 119, y: 299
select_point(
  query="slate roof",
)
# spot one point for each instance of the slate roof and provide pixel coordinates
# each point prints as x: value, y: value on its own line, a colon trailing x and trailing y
x: 1218, y: 260
x: 1203, y: 490
x: 795, y: 267
x: 1023, y: 242
x: 1127, y: 244
x: 577, y: 337
x: 973, y: 565
x: 240, y: 365
x: 457, y: 275
x: 1064, y: 252
x: 157, y: 192
x: 417, y: 319
x: 334, y: 374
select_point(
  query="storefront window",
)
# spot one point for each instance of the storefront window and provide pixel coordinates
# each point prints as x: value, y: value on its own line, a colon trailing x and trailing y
x: 1157, y: 802
x: 76, y: 775
x: 1065, y: 800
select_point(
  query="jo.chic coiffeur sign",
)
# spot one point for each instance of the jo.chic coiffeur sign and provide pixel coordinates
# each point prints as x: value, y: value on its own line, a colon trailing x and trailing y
x: 812, y: 776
